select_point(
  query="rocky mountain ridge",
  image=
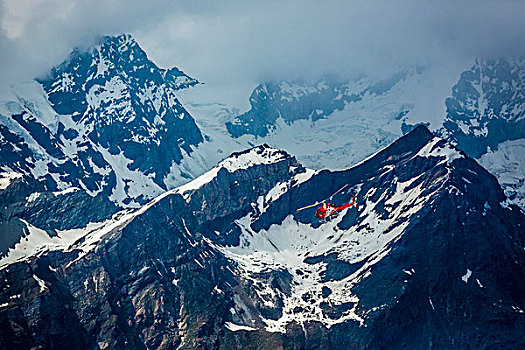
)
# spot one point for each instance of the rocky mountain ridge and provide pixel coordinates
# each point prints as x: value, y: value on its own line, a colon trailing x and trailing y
x: 430, y: 259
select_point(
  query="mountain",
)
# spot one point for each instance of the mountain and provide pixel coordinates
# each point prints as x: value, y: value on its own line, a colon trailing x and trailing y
x: 327, y: 123
x: 297, y: 100
x: 487, y: 106
x: 486, y: 118
x: 331, y: 122
x: 432, y: 258
x: 106, y: 120
x: 109, y: 121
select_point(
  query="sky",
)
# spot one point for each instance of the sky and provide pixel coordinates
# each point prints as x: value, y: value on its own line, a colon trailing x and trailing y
x: 250, y: 41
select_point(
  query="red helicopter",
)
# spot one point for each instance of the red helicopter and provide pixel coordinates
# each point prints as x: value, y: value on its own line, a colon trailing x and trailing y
x: 328, y: 209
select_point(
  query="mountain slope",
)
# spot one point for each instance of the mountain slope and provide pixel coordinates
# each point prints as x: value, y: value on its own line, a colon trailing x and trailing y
x: 432, y: 258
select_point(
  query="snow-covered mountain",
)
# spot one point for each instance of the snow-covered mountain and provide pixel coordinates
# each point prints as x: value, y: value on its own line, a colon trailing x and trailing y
x: 333, y: 123
x: 486, y: 118
x: 107, y: 120
x: 292, y: 101
x: 433, y: 257
x: 487, y: 106
x: 330, y: 123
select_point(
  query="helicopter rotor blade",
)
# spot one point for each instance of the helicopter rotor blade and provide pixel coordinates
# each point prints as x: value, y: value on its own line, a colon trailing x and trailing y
x: 339, y: 190
x: 321, y: 202
x: 311, y: 205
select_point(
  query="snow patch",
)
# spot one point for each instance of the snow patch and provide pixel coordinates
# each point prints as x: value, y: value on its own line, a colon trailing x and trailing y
x: 33, y: 196
x: 479, y: 283
x: 66, y: 191
x: 237, y: 327
x: 41, y: 283
x: 7, y: 177
x: 284, y: 247
x: 507, y: 163
x: 466, y: 276
x: 446, y: 150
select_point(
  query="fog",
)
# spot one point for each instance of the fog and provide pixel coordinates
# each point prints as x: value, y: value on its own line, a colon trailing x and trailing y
x: 243, y: 41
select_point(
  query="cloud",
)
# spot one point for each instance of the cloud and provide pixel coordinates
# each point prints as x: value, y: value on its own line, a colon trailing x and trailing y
x: 38, y: 34
x: 240, y: 41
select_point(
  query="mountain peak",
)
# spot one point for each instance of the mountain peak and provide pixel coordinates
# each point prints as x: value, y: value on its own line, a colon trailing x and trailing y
x: 418, y: 141
x: 122, y: 39
x: 486, y: 107
x: 261, y: 154
x: 111, y: 104
x: 245, y: 160
x: 114, y: 56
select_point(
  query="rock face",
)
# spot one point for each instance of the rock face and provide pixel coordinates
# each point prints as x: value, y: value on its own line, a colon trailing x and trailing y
x: 486, y: 118
x: 26, y: 202
x: 487, y: 106
x: 432, y: 258
x: 107, y: 120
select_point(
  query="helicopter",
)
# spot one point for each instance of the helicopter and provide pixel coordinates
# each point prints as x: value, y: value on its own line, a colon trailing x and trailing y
x: 327, y: 210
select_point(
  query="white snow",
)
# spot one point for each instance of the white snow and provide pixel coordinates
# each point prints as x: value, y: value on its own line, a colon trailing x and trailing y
x: 252, y: 158
x: 479, y: 283
x: 7, y: 177
x: 41, y: 283
x: 32, y: 98
x: 341, y: 139
x: 237, y: 327
x: 446, y: 151
x: 466, y: 276
x: 284, y: 247
x: 33, y: 196
x: 214, y: 96
x: 507, y: 163
x: 134, y: 181
x: 66, y: 191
